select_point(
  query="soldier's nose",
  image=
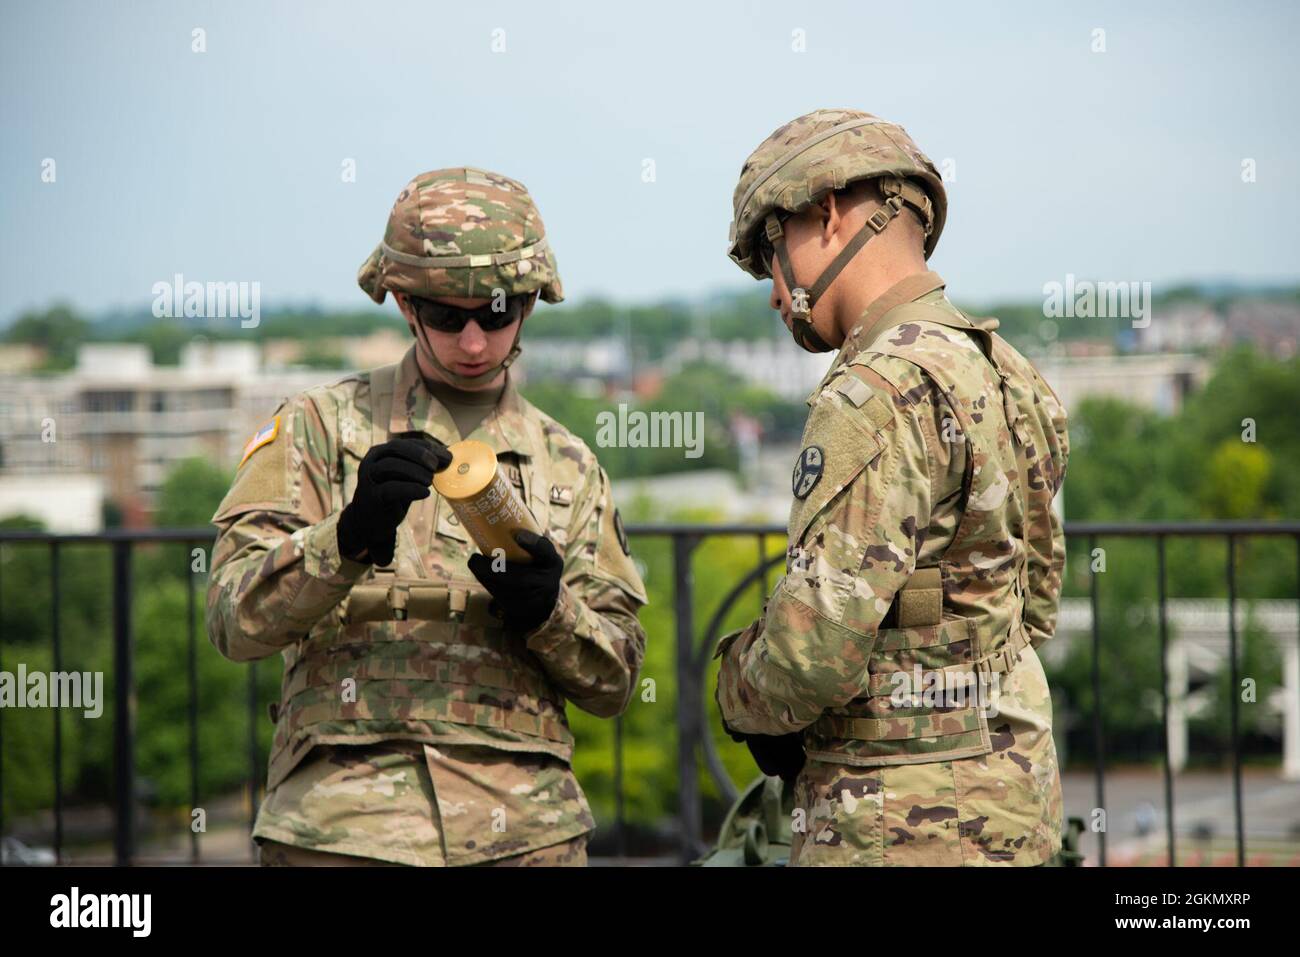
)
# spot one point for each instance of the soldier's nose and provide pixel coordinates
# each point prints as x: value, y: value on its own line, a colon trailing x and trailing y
x: 472, y: 340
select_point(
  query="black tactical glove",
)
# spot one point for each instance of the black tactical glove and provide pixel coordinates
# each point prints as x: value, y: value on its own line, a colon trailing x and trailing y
x: 777, y: 755
x: 391, y: 476
x: 525, y: 591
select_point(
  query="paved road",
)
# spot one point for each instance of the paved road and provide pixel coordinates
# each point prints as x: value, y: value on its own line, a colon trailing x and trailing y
x: 1203, y: 816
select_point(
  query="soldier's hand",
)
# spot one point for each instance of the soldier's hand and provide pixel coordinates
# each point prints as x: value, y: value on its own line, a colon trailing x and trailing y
x: 526, y: 591
x: 392, y: 475
x: 778, y: 755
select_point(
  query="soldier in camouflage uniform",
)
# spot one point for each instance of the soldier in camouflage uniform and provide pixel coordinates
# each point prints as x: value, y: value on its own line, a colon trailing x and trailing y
x: 894, y: 669
x: 422, y: 717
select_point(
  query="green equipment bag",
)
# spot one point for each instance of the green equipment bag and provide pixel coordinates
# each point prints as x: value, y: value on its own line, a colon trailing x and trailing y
x: 757, y: 830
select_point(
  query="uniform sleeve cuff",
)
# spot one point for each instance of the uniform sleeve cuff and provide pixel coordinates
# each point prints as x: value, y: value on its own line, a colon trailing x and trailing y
x: 559, y: 627
x: 321, y: 557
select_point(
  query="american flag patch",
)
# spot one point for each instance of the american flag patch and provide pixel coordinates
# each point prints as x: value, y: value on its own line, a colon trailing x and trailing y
x: 265, y: 434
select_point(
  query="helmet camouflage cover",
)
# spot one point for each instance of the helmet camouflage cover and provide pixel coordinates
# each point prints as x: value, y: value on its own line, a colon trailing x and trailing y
x: 462, y: 233
x: 827, y: 150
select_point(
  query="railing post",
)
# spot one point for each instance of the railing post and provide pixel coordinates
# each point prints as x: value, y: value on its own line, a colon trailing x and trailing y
x: 56, y: 602
x: 620, y: 823
x: 193, y: 679
x: 2, y: 749
x: 1098, y: 728
x: 688, y: 698
x: 1164, y: 697
x: 123, y: 707
x: 254, y: 764
x: 1234, y: 693
x: 1291, y: 725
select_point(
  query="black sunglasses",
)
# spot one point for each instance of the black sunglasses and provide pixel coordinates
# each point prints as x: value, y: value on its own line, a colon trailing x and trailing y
x: 495, y: 315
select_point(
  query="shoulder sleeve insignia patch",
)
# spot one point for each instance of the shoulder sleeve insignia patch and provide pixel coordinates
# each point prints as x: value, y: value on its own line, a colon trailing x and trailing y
x: 621, y: 532
x: 263, y: 436
x: 807, y: 471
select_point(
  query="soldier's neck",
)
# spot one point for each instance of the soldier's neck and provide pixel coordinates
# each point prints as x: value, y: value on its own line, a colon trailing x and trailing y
x: 863, y: 285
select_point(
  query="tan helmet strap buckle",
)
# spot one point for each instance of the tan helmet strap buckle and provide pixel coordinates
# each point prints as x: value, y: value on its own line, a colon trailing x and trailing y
x: 881, y: 217
x: 909, y: 193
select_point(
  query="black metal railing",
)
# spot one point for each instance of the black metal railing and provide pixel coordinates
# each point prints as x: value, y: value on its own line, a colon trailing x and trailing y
x: 693, y: 653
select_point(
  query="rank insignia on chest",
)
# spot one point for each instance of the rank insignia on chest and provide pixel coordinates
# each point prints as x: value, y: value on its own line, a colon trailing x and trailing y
x: 807, y: 471
x: 514, y: 475
x: 263, y: 436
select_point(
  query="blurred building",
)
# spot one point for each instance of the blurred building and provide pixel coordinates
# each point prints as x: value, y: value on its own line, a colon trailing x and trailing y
x: 1197, y: 654
x: 1270, y: 325
x: 69, y: 502
x: 1159, y: 382
x: 1273, y: 327
x: 123, y: 423
x: 1185, y: 327
x: 20, y: 357
x: 604, y: 359
x: 778, y: 365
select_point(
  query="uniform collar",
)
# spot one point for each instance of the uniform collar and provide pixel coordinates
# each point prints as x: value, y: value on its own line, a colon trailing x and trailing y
x: 415, y: 409
x: 908, y: 289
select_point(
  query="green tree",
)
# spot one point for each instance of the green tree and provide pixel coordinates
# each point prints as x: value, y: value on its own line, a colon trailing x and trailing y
x: 57, y: 329
x: 1235, y: 481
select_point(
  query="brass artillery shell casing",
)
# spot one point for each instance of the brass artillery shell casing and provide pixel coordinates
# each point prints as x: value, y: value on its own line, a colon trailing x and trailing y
x: 484, y: 500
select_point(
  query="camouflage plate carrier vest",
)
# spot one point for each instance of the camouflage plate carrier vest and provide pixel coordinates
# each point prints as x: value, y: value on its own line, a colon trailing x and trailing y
x: 961, y: 619
x: 416, y: 649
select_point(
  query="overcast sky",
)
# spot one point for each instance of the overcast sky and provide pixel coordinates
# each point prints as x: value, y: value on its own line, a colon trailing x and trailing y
x: 226, y: 165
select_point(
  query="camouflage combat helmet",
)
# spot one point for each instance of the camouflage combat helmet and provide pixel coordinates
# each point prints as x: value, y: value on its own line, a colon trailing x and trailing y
x: 464, y: 233
x: 809, y: 156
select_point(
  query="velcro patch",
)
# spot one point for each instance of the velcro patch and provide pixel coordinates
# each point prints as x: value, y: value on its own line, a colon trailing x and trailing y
x: 878, y: 412
x: 853, y: 389
x: 264, y: 435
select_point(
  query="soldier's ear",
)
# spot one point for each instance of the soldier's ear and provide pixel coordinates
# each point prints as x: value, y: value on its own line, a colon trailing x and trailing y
x: 831, y: 211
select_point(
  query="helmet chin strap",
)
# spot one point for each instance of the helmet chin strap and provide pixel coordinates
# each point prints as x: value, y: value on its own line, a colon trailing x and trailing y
x: 801, y: 301
x: 468, y: 381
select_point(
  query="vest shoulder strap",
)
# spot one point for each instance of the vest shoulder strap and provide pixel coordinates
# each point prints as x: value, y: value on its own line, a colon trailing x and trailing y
x: 929, y: 312
x: 916, y: 599
x: 383, y: 381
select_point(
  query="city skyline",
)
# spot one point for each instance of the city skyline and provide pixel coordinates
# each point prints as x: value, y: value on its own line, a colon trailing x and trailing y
x: 232, y: 164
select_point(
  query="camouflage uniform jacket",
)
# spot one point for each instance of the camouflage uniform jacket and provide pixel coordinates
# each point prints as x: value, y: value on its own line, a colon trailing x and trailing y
x: 447, y: 677
x: 923, y: 554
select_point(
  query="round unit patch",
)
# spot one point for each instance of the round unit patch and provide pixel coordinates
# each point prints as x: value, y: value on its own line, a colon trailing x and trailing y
x: 621, y: 533
x: 807, y: 471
